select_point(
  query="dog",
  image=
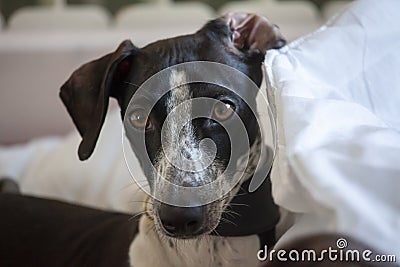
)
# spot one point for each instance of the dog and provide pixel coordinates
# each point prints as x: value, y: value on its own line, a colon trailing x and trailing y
x: 237, y: 40
x: 197, y: 235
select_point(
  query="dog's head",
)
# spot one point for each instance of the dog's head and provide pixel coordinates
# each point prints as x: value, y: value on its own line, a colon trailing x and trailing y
x: 237, y: 40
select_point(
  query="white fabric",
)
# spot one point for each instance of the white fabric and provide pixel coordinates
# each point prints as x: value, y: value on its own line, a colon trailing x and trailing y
x: 331, y: 8
x: 50, y: 168
x: 336, y: 97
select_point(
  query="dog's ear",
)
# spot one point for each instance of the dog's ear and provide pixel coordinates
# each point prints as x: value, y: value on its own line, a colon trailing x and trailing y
x: 253, y: 33
x: 86, y: 93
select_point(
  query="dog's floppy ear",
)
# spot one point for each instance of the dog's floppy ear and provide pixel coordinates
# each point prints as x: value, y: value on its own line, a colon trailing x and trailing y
x: 86, y: 93
x: 253, y: 33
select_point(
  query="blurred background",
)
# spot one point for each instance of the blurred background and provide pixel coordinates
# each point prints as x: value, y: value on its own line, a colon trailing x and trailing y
x: 43, y: 41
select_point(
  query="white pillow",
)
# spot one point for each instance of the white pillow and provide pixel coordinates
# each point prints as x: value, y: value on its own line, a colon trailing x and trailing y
x: 336, y: 97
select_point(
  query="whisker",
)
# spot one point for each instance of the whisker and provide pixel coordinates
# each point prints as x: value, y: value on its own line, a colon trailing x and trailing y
x: 136, y: 215
x: 238, y: 204
x: 137, y: 86
x: 228, y: 221
x: 141, y: 201
x: 233, y: 214
x: 216, y: 233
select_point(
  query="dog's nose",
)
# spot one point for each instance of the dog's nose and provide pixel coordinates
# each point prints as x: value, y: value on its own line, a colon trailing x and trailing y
x: 180, y: 221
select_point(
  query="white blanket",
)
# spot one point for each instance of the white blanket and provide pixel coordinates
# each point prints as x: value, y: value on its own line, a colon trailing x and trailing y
x: 50, y: 167
x: 336, y: 95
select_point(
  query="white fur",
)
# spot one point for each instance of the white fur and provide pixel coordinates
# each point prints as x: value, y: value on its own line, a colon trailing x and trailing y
x: 150, y: 250
x: 181, y: 148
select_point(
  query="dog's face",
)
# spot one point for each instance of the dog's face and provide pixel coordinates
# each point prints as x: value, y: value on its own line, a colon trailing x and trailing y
x: 236, y: 40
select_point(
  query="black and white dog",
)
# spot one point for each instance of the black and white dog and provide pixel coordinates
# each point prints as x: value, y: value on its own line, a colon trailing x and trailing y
x: 168, y: 235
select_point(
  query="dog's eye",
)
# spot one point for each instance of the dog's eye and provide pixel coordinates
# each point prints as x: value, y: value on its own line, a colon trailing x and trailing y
x: 223, y: 110
x: 140, y: 119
